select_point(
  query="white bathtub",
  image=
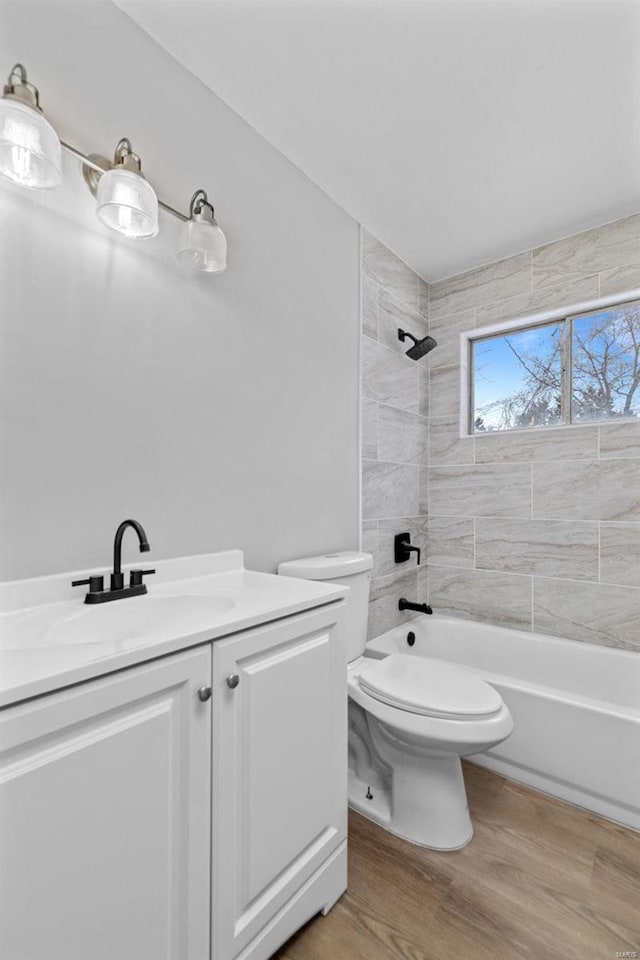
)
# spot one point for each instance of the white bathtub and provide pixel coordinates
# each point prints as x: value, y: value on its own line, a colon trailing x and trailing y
x: 576, y: 708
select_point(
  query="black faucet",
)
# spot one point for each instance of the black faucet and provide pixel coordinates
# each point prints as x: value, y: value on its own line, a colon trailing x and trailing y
x: 402, y: 548
x: 117, y: 589
x: 410, y: 605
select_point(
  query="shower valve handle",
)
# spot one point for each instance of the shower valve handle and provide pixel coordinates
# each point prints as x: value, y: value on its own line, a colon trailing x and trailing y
x: 403, y: 548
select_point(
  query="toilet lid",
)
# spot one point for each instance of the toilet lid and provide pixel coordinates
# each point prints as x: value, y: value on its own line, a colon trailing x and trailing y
x: 429, y: 687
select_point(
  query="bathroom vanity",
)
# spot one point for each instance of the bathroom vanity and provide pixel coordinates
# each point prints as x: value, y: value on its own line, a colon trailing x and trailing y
x: 172, y: 768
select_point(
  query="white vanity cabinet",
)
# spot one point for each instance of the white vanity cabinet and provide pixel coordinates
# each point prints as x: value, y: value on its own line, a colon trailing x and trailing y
x: 105, y: 817
x: 142, y: 819
x: 279, y: 780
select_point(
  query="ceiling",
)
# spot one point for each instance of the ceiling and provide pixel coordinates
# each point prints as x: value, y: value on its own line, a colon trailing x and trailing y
x: 457, y: 132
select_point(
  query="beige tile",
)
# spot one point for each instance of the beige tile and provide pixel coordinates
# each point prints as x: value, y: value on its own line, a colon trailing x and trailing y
x: 370, y: 543
x: 500, y: 598
x: 389, y: 490
x: 387, y: 530
x: 444, y: 391
x: 620, y: 439
x: 383, y: 601
x: 604, y: 248
x: 450, y: 541
x: 620, y: 554
x: 445, y: 443
x: 383, y: 266
x: 402, y: 437
x: 501, y: 490
x: 620, y: 279
x: 447, y: 330
x: 369, y: 429
x: 567, y: 292
x: 559, y: 443
x: 393, y: 315
x: 369, y: 307
x: 504, y: 278
x: 547, y: 548
x: 388, y: 377
x: 589, y: 612
x: 592, y: 490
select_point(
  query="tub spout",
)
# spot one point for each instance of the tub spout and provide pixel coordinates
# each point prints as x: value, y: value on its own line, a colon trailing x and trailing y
x: 410, y: 605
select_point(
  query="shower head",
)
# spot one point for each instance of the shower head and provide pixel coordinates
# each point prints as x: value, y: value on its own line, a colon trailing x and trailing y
x: 420, y: 347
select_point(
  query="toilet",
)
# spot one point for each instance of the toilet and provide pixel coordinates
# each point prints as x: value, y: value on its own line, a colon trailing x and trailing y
x: 411, y: 719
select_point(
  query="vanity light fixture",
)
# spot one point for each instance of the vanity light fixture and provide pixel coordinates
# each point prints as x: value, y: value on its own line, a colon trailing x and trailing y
x: 30, y: 153
x: 31, y: 156
x: 202, y: 245
x: 126, y: 202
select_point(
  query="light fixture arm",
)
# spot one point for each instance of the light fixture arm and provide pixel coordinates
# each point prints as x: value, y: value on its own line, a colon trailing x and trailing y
x: 23, y: 91
x: 200, y: 208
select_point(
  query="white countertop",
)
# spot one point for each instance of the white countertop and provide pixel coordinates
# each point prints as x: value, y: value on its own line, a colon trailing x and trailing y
x: 37, y: 613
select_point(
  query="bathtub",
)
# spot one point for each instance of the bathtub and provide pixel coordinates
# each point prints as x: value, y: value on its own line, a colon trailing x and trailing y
x: 576, y: 708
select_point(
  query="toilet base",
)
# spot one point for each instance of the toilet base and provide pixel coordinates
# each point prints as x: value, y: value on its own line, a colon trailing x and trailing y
x: 426, y: 803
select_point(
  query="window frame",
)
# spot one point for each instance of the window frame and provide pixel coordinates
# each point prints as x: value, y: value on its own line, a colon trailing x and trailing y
x: 529, y: 321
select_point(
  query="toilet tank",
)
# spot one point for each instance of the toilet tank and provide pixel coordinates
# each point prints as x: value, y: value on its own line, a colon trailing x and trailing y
x: 348, y: 569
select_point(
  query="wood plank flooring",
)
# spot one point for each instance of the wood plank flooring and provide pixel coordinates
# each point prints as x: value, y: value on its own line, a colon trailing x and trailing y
x: 541, y: 880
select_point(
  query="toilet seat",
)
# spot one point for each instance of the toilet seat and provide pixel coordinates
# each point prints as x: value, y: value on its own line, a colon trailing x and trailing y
x: 430, y: 688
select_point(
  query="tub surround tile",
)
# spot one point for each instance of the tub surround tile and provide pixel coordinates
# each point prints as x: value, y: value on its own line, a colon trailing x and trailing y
x: 620, y: 555
x: 593, y: 490
x: 499, y: 598
x: 369, y: 307
x: 445, y: 443
x: 505, y: 278
x: 489, y: 490
x: 402, y: 437
x: 550, y: 548
x: 620, y: 440
x: 389, y: 490
x: 387, y: 530
x: 369, y: 429
x: 444, y: 392
x: 423, y: 392
x: 566, y: 292
x: 559, y: 443
x: 393, y: 315
x: 450, y: 541
x: 447, y: 330
x: 588, y: 612
x: 604, y: 248
x: 383, y: 266
x: 370, y: 543
x: 620, y: 279
x: 424, y: 294
x: 388, y: 377
x: 423, y: 584
x: 383, y: 601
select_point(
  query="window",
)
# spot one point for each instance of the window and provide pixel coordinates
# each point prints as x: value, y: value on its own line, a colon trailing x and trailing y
x: 580, y: 368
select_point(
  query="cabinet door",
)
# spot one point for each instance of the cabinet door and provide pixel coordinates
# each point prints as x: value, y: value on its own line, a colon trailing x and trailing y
x: 279, y: 767
x: 105, y: 818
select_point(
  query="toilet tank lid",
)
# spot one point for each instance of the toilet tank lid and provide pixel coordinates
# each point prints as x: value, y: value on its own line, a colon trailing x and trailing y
x: 330, y: 566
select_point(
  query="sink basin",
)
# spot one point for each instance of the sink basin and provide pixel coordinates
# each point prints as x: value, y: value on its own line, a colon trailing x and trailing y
x: 138, y: 619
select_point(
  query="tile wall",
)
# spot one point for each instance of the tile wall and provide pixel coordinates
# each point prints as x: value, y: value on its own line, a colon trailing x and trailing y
x: 395, y: 429
x: 536, y: 531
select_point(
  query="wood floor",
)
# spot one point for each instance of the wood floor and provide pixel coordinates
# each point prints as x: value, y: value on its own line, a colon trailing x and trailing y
x: 541, y: 880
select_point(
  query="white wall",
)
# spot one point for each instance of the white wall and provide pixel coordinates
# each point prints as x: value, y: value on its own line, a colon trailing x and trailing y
x: 220, y: 411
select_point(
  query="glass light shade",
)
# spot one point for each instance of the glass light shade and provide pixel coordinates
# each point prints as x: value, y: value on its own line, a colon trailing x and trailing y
x: 203, y: 246
x: 127, y: 204
x: 30, y: 152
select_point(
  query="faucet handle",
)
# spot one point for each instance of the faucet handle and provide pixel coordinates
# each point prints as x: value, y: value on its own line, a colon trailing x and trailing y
x: 135, y: 577
x: 95, y: 584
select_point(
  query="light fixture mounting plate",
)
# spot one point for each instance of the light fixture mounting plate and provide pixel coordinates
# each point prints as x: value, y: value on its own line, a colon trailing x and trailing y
x: 91, y: 175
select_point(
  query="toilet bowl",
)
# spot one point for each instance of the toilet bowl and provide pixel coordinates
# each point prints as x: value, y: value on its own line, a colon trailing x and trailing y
x: 411, y: 720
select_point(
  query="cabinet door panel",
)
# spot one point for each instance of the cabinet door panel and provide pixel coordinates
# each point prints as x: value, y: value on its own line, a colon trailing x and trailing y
x: 103, y: 790
x: 279, y: 769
